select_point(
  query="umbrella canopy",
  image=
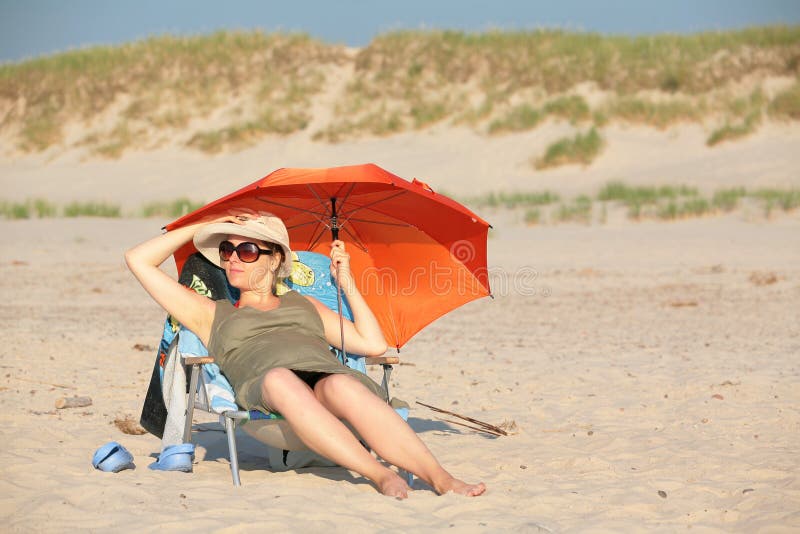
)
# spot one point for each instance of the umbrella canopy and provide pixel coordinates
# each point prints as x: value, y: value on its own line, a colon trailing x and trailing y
x: 415, y: 254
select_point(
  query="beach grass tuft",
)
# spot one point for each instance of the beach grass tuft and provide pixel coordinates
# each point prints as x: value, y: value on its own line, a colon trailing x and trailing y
x: 92, y: 209
x: 241, y: 135
x: 579, y: 210
x: 786, y: 105
x: 728, y: 199
x: 659, y: 114
x: 583, y: 148
x: 744, y: 117
x: 731, y: 131
x: 533, y: 216
x: 15, y: 210
x: 518, y: 119
x: 37, y: 207
x: 787, y: 200
x: 573, y: 108
x: 174, y: 209
x: 627, y: 194
x: 513, y: 199
x: 690, y: 207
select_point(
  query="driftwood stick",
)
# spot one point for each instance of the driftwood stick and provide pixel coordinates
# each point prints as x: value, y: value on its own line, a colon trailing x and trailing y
x: 73, y: 402
x: 477, y: 428
x: 492, y: 428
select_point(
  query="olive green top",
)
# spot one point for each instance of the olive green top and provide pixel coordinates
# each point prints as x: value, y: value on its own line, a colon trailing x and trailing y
x: 246, y: 343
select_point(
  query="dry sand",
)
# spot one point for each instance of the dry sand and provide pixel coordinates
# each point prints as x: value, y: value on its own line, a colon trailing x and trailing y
x: 651, y: 368
x: 652, y: 377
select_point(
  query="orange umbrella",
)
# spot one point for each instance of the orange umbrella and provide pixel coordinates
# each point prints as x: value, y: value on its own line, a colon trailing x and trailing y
x: 415, y: 254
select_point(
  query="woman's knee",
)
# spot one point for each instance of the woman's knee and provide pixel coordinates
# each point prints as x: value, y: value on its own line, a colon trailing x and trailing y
x: 338, y: 387
x: 279, y: 383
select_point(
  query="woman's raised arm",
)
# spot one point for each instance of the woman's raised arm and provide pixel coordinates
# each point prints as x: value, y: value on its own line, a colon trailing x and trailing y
x: 363, y: 335
x: 193, y: 311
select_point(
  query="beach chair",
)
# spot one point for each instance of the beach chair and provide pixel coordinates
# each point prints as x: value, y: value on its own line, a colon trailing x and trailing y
x: 209, y: 391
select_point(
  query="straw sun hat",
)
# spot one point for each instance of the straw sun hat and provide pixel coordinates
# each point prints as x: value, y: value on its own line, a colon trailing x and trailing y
x: 265, y: 227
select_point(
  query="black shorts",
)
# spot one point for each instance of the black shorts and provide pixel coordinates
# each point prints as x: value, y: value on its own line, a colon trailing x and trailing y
x: 310, y: 377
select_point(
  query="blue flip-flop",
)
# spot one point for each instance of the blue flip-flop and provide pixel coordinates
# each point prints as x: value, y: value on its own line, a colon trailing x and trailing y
x: 175, y: 458
x: 112, y: 458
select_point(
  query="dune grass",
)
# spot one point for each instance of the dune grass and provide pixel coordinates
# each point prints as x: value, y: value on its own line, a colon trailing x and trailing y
x: 573, y: 108
x: 497, y: 81
x: 728, y: 199
x: 666, y: 202
x: 37, y: 207
x: 658, y: 114
x: 41, y: 208
x: 519, y: 118
x: 92, y: 209
x: 558, y: 60
x: 533, y: 216
x: 195, y: 73
x: 583, y: 148
x: 525, y: 117
x: 579, y: 210
x: 689, y: 207
x: 244, y: 134
x: 15, y: 210
x: 744, y: 117
x: 645, y: 200
x: 402, y: 70
x: 627, y: 194
x: 172, y: 209
x: 512, y: 200
x: 786, y: 105
x: 787, y: 200
x: 732, y: 131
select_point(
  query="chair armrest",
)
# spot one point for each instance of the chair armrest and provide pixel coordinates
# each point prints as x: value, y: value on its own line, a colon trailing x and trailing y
x: 382, y: 360
x: 202, y: 360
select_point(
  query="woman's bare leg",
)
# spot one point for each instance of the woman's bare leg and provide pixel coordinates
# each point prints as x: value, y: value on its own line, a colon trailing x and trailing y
x: 323, y: 432
x: 387, y: 433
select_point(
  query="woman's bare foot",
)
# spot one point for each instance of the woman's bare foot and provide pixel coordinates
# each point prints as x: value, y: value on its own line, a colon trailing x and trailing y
x: 461, y: 488
x: 393, y: 486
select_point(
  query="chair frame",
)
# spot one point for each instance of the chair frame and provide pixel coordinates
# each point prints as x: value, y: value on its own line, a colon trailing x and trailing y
x: 231, y: 417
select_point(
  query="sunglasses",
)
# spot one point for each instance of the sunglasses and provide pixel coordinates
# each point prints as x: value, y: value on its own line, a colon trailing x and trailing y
x: 248, y: 252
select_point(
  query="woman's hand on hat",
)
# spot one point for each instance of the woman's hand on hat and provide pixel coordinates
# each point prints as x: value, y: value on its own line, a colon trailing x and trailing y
x: 236, y: 218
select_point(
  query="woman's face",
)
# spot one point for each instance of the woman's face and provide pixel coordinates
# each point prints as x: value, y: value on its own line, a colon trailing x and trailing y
x: 254, y: 276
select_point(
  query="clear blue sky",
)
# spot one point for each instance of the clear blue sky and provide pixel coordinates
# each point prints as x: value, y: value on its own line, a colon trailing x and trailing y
x: 30, y: 28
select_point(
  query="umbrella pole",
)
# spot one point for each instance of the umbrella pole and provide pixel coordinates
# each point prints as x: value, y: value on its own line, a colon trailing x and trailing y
x: 341, y: 317
x: 335, y: 236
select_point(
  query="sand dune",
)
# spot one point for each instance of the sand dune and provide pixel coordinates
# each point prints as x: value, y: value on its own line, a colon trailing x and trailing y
x: 458, y: 161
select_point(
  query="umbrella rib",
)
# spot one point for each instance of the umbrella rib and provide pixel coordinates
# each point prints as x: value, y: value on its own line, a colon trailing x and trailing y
x: 316, y: 239
x: 347, y: 196
x: 385, y: 223
x: 289, y: 206
x: 358, y: 208
x: 300, y: 225
x: 321, y: 202
x: 356, y: 238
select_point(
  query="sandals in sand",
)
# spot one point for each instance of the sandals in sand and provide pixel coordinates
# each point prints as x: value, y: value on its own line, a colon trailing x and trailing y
x: 112, y: 458
x: 175, y: 458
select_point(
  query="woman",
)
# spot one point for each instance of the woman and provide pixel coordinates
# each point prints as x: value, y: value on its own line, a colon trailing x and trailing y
x: 274, y: 351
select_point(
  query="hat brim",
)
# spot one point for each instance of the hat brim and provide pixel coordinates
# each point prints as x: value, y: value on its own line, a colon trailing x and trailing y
x: 208, y: 238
